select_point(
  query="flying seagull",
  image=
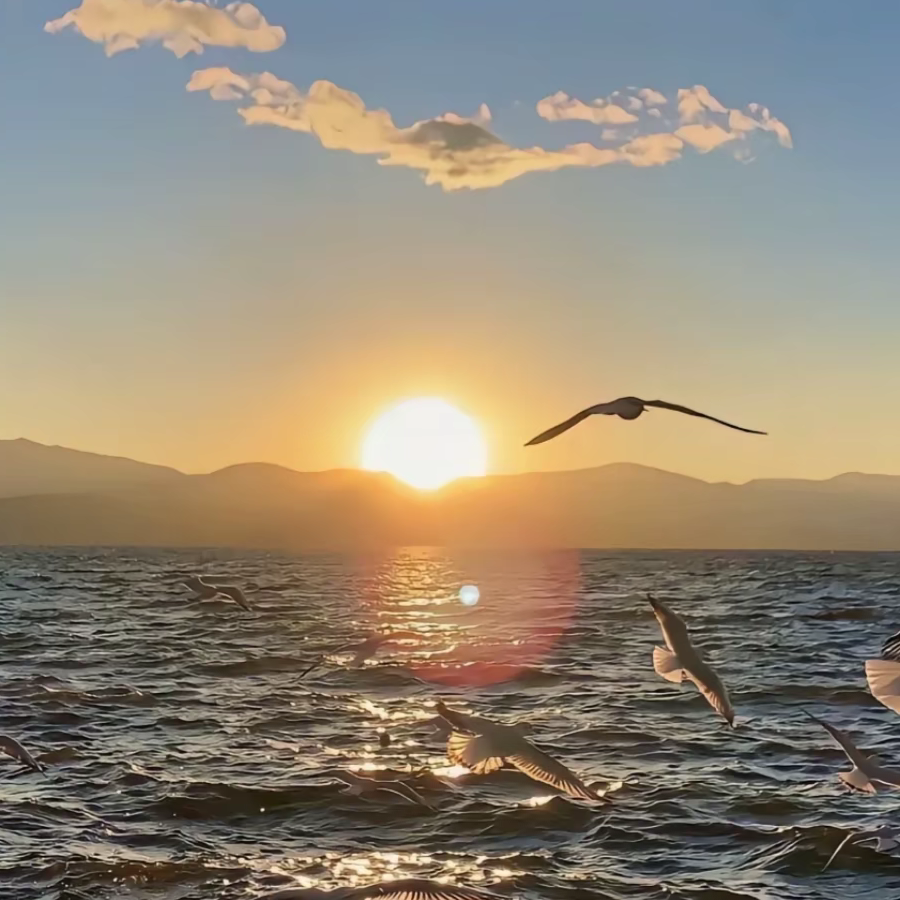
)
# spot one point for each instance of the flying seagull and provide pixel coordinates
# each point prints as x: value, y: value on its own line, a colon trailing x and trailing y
x: 883, y: 674
x: 683, y: 658
x: 360, y: 786
x: 627, y: 408
x: 203, y: 590
x: 236, y: 594
x: 363, y: 650
x: 402, y: 889
x: 11, y: 747
x: 867, y: 774
x: 484, y: 746
x: 885, y: 838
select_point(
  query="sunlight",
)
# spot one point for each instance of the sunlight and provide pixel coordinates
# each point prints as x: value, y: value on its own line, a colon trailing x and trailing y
x: 425, y: 442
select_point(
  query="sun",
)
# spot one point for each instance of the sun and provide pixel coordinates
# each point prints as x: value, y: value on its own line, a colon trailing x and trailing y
x: 425, y: 442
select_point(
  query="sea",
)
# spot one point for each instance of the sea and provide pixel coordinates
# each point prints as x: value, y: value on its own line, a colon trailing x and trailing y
x: 188, y: 758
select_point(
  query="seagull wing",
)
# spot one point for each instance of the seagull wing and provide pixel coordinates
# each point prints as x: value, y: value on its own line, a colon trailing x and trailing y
x: 418, y: 889
x: 11, y: 747
x: 857, y: 778
x: 891, y: 648
x: 661, y: 404
x: 475, y: 753
x: 318, y: 662
x: 557, y: 430
x: 883, y: 676
x: 403, y: 791
x: 716, y: 695
x: 541, y: 767
x: 236, y: 594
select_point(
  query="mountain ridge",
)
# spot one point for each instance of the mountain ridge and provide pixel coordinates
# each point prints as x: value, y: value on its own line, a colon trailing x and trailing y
x: 54, y: 495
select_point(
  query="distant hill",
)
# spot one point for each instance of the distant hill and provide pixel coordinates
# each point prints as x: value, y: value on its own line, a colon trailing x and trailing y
x: 27, y: 467
x: 69, y: 497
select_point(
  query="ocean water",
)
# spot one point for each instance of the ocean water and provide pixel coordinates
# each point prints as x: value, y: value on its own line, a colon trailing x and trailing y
x: 187, y: 760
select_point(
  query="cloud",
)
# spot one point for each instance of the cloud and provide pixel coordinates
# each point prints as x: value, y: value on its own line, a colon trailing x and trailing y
x: 768, y: 122
x: 704, y: 138
x: 651, y: 97
x: 458, y: 152
x: 560, y: 106
x: 183, y: 26
x: 694, y: 102
x: 704, y: 122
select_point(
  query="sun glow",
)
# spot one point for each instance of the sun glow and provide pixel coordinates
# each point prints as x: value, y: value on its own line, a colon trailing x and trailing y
x: 425, y: 442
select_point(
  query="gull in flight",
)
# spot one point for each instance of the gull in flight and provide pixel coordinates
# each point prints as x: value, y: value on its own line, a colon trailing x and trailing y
x: 402, y: 889
x: 360, y: 786
x: 484, y: 746
x: 627, y: 408
x: 203, y: 590
x: 365, y: 650
x: 11, y: 747
x: 683, y: 659
x: 883, y: 674
x: 885, y: 839
x: 867, y: 774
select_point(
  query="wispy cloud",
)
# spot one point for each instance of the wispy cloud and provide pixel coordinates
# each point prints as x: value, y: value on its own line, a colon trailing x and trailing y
x: 696, y: 117
x: 561, y: 106
x: 458, y: 152
x: 183, y: 26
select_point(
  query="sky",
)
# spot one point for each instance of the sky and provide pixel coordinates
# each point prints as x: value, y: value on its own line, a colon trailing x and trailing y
x: 236, y: 232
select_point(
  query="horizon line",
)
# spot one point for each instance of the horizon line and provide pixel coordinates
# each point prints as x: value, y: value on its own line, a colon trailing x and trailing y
x: 465, y: 478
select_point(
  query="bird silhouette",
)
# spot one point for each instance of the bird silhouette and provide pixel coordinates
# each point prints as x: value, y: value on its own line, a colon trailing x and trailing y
x: 627, y: 408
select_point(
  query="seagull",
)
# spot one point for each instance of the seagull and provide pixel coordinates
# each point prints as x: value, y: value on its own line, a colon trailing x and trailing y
x: 365, y: 650
x: 236, y: 594
x: 885, y: 839
x: 484, y: 746
x: 627, y: 408
x: 682, y: 658
x: 203, y: 590
x: 883, y: 674
x: 360, y: 786
x: 11, y: 747
x: 867, y: 773
x: 402, y: 889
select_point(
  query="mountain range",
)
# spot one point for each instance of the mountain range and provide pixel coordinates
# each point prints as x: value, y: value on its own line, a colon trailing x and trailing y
x: 58, y: 496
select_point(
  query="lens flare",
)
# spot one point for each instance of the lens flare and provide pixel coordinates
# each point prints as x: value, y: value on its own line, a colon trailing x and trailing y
x: 469, y: 595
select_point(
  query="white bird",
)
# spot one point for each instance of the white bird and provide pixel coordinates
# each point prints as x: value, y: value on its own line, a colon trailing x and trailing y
x: 867, y: 773
x: 484, y: 746
x: 360, y: 786
x: 883, y: 674
x: 402, y: 889
x: 365, y: 650
x: 627, y: 408
x: 11, y: 747
x: 203, y: 590
x: 885, y: 838
x: 236, y: 594
x: 683, y: 659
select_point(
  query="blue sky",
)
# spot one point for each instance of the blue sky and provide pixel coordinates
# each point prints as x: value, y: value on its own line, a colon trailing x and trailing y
x: 180, y: 287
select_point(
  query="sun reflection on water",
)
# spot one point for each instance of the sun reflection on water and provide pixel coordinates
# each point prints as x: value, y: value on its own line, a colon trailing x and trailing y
x: 475, y: 623
x: 331, y: 870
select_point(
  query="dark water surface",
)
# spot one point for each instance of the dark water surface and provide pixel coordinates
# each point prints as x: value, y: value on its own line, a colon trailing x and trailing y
x: 187, y: 761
